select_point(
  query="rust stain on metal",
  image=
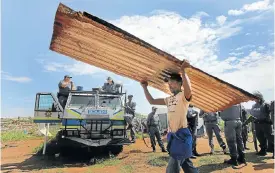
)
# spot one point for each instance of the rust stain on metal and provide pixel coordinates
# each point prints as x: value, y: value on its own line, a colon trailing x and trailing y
x: 94, y: 41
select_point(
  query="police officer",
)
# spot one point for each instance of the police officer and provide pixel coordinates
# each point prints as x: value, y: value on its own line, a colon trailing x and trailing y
x: 211, y: 124
x: 153, y: 130
x: 272, y: 112
x: 244, y: 127
x: 65, y: 86
x: 192, y: 119
x: 272, y: 120
x: 261, y: 112
x: 233, y: 134
x: 110, y: 86
x: 130, y: 108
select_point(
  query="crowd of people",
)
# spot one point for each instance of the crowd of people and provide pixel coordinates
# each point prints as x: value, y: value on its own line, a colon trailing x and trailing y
x: 183, y: 121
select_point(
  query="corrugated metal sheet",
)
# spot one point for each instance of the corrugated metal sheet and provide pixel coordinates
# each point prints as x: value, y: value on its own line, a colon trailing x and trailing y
x: 94, y: 41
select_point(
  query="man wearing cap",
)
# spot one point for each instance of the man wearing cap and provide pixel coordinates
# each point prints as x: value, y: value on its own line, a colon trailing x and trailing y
x: 130, y: 108
x: 211, y: 125
x: 153, y: 129
x: 177, y: 105
x: 110, y: 86
x: 65, y: 86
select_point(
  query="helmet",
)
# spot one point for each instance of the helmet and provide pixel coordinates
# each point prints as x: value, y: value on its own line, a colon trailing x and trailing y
x: 259, y: 95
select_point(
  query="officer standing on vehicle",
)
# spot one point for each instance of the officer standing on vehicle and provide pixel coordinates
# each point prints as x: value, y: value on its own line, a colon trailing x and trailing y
x: 233, y: 134
x: 130, y: 108
x: 192, y: 119
x: 261, y: 111
x: 65, y: 86
x: 211, y: 124
x: 110, y: 86
x: 153, y: 130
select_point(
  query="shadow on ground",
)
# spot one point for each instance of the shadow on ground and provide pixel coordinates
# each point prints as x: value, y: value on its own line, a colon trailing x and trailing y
x: 264, y: 166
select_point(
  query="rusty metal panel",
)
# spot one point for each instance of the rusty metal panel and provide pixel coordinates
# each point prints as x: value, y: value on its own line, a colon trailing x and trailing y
x: 89, y: 39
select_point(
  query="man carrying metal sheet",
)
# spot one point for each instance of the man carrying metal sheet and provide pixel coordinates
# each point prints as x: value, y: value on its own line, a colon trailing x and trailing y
x: 130, y: 108
x: 179, y: 136
x: 261, y: 112
x: 192, y: 119
x: 211, y: 125
x: 153, y: 130
x: 233, y: 134
x: 65, y: 86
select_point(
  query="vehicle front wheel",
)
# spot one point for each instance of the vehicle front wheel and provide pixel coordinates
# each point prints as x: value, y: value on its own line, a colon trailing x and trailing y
x: 115, y: 149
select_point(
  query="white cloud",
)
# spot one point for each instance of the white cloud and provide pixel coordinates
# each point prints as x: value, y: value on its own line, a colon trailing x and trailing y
x: 247, y: 34
x: 235, y: 12
x: 255, y: 6
x: 221, y: 19
x: 75, y: 68
x: 9, y: 77
x: 201, y: 14
x: 245, y: 47
x: 261, y: 48
x: 236, y: 53
x: 182, y: 37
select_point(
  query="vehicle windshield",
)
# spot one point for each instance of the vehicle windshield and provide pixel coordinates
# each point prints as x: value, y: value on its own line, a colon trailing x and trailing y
x: 82, y: 101
x: 110, y: 102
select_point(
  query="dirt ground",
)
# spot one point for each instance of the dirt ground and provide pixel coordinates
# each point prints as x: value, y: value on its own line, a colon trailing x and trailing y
x: 20, y: 157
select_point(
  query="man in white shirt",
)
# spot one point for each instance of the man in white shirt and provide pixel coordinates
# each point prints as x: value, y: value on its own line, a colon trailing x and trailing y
x: 177, y: 111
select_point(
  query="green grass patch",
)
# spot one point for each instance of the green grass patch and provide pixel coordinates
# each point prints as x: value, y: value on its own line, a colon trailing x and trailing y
x: 106, y: 162
x: 38, y: 148
x: 59, y: 171
x: 221, y: 125
x: 209, y: 163
x: 139, y: 135
x: 126, y: 169
x: 16, y: 136
x: 158, y: 160
x: 211, y: 159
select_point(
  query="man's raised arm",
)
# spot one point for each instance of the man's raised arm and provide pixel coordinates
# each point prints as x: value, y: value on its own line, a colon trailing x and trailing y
x: 149, y: 97
x: 186, y: 81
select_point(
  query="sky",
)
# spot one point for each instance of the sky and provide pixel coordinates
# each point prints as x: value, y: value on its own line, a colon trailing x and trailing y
x: 232, y: 40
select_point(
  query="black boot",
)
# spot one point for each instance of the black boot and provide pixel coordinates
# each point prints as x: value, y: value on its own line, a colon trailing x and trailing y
x: 269, y: 150
x: 163, y: 150
x: 262, y: 153
x: 224, y: 149
x: 232, y: 161
x: 193, y: 157
x: 195, y: 153
x: 241, y: 159
x: 154, y: 149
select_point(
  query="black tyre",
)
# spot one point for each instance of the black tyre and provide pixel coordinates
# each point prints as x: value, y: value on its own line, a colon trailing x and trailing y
x: 115, y: 149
